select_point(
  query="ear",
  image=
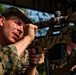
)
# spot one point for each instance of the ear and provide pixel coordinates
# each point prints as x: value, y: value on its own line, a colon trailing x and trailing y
x: 2, y: 19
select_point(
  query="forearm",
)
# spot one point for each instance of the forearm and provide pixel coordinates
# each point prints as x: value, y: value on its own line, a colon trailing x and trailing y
x: 22, y: 45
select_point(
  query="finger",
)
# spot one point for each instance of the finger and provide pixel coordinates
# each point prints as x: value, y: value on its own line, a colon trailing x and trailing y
x: 37, y: 59
x: 34, y: 60
x: 38, y: 55
x: 32, y: 51
x: 36, y: 29
x: 74, y: 67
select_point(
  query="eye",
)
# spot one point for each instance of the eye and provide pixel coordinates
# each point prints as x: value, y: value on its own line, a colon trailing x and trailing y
x: 18, y: 22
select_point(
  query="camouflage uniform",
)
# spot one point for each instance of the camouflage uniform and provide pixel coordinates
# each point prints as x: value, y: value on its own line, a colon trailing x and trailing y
x: 59, y: 63
x: 10, y: 63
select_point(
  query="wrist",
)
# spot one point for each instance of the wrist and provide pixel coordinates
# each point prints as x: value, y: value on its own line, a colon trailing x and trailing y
x: 31, y: 70
x: 32, y: 67
x: 28, y: 39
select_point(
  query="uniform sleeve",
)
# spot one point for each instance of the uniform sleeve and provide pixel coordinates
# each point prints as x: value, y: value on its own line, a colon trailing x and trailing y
x: 10, y: 59
x: 12, y: 64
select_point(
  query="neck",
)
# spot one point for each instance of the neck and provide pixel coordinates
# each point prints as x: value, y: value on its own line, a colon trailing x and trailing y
x: 69, y: 47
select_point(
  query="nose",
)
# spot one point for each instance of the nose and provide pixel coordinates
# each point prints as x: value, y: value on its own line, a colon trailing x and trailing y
x: 20, y: 29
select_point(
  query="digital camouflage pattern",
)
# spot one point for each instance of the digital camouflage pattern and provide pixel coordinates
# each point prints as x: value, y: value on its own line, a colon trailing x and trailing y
x: 57, y: 66
x: 10, y: 63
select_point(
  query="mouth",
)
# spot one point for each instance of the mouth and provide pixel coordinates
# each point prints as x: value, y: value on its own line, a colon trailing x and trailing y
x: 16, y: 36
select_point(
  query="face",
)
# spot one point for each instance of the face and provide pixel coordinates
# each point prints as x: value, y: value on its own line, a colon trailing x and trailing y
x: 12, y: 29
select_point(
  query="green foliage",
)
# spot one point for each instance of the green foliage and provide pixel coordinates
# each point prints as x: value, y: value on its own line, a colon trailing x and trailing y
x: 2, y: 7
x: 41, y: 69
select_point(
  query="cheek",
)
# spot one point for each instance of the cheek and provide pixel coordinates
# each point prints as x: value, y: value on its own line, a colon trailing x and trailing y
x: 7, y: 29
x: 14, y: 26
x: 9, y: 26
x: 6, y: 32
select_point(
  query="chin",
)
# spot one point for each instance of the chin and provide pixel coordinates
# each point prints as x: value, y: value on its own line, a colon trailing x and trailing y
x: 12, y: 41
